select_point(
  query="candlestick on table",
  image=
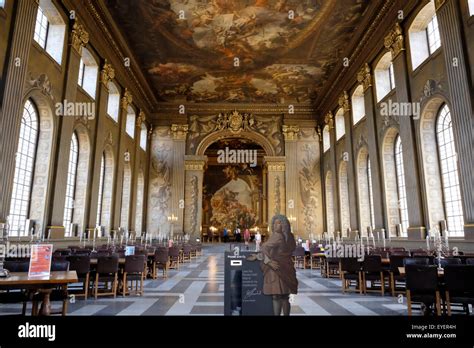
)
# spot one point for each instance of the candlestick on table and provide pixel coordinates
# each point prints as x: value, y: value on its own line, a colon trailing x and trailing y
x: 427, y: 242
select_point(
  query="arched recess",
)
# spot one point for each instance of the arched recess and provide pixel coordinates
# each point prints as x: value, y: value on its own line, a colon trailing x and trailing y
x: 429, y: 156
x: 107, y: 188
x: 344, y: 198
x: 390, y: 180
x: 329, y: 202
x: 82, y: 178
x: 363, y: 189
x: 139, y: 202
x: 254, y: 136
x: 126, y: 196
x: 42, y: 168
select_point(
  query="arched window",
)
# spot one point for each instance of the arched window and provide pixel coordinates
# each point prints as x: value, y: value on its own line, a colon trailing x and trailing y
x: 424, y: 35
x: 340, y: 126
x: 371, y: 194
x: 143, y: 136
x: 329, y: 202
x: 449, y: 173
x: 384, y: 76
x: 344, y: 198
x: 24, y: 166
x: 326, y: 139
x: 2, y: 3
x: 130, y: 126
x: 71, y: 184
x: 126, y: 193
x: 401, y: 187
x: 113, y: 102
x: 358, y: 105
x: 50, y: 30
x: 101, y: 190
x: 88, y: 73
x: 471, y: 7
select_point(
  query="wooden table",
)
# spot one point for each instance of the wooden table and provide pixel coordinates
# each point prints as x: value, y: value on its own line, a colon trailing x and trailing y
x: 45, y: 285
x: 401, y: 270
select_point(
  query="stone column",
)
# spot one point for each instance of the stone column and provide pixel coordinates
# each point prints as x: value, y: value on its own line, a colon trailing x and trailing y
x: 178, y: 132
x: 450, y: 26
x: 291, y: 178
x: 194, y: 166
x: 395, y: 43
x: 275, y: 186
x: 12, y: 103
x: 344, y: 103
x: 79, y: 38
x: 136, y: 168
x: 365, y: 77
x: 97, y: 147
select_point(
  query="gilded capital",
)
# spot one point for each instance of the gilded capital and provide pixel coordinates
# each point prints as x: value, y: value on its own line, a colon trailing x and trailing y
x: 290, y: 132
x: 329, y: 120
x: 79, y: 37
x: 195, y: 165
x: 140, y: 118
x: 127, y: 99
x: 394, y: 41
x: 107, y: 74
x: 179, y: 131
x: 364, y: 77
x: 344, y: 102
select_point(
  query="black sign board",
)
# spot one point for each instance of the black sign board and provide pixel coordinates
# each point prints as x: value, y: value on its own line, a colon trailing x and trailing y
x: 243, y: 288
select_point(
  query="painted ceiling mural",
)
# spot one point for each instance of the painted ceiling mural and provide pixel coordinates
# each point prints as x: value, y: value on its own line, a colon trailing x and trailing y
x: 237, y: 50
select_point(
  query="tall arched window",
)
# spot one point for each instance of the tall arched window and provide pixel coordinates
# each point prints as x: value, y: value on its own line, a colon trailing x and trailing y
x: 449, y: 173
x: 88, y: 73
x: 371, y: 194
x: 384, y: 76
x: 326, y: 139
x: 358, y: 105
x: 101, y: 191
x: 340, y: 126
x: 143, y: 136
x: 130, y: 125
x: 113, y: 101
x: 71, y: 184
x: 401, y: 187
x: 24, y: 165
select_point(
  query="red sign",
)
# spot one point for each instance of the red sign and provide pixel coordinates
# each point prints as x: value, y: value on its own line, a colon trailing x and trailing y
x: 40, y: 261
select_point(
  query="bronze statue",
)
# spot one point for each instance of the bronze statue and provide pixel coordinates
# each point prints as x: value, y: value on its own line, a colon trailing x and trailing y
x: 279, y: 274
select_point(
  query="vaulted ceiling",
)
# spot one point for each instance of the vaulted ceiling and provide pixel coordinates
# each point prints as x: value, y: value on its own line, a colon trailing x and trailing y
x: 243, y: 51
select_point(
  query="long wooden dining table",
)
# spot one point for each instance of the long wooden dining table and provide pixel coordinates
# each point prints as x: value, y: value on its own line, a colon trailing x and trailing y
x: 43, y: 284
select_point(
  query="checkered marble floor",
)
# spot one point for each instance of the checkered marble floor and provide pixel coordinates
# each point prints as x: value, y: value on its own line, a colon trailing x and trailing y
x: 198, y: 289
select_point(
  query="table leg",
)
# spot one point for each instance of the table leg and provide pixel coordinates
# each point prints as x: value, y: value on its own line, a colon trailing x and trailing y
x: 46, y: 305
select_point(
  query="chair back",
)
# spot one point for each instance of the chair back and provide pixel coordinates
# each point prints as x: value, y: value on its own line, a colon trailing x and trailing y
x: 17, y: 266
x: 161, y: 255
x: 107, y: 264
x: 173, y: 251
x: 448, y: 261
x: 395, y: 262
x: 401, y: 253
x: 186, y: 248
x: 459, y: 278
x: 372, y: 264
x: 470, y: 261
x: 134, y: 263
x: 59, y: 266
x: 80, y: 263
x: 422, y: 261
x: 350, y: 265
x: 299, y: 251
x: 421, y: 277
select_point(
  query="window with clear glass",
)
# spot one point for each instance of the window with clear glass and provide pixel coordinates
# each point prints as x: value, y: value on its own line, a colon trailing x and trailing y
x: 41, y: 28
x: 432, y: 32
x: 2, y: 3
x: 391, y: 74
x: 71, y: 184
x: 471, y: 7
x: 401, y: 187
x: 82, y: 68
x: 143, y: 136
x: 326, y: 139
x: 371, y: 194
x: 101, y: 190
x: 113, y: 101
x: 449, y: 173
x: 340, y: 125
x: 130, y: 126
x: 24, y: 167
x: 358, y: 105
x: 88, y: 73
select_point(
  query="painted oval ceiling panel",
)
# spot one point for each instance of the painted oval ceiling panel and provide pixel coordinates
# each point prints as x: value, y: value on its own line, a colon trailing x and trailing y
x: 237, y: 50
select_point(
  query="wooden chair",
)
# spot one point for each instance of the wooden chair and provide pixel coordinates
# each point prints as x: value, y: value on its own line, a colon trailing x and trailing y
x: 133, y: 271
x: 459, y: 282
x: 107, y: 271
x: 315, y: 261
x: 81, y: 264
x: 161, y: 260
x: 422, y: 286
x: 299, y: 257
x: 174, y: 254
x: 350, y: 270
x: 12, y: 296
x: 396, y: 261
x: 372, y: 270
x: 186, y: 253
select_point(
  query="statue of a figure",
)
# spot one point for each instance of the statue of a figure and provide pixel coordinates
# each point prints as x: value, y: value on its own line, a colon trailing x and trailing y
x: 279, y: 274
